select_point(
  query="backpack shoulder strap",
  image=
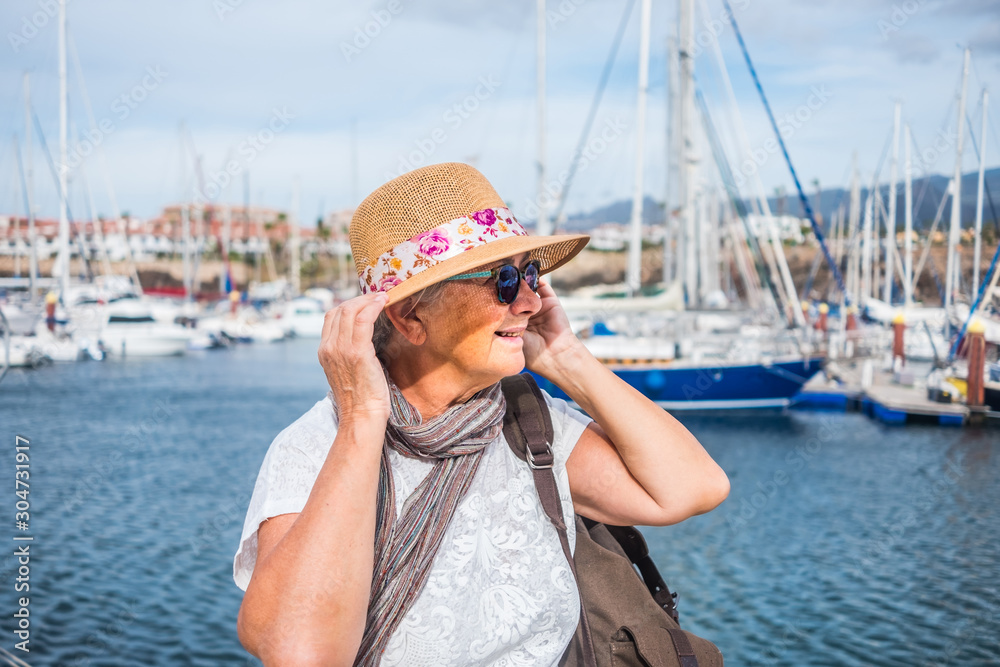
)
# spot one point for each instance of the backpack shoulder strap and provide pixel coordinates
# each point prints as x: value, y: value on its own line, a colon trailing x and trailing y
x: 634, y: 545
x: 527, y: 426
x: 527, y: 420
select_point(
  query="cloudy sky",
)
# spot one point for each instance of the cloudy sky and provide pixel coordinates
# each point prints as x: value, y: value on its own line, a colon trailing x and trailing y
x: 274, y: 90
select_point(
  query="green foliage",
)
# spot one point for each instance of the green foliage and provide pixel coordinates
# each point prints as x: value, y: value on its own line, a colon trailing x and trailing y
x: 310, y: 268
x: 989, y: 235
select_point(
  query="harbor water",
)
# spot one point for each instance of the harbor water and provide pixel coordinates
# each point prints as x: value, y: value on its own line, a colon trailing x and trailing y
x: 843, y: 541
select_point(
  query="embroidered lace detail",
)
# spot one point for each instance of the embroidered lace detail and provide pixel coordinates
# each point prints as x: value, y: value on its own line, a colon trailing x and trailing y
x: 500, y: 590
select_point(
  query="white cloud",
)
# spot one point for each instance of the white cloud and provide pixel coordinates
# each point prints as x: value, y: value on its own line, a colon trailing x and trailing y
x: 225, y: 77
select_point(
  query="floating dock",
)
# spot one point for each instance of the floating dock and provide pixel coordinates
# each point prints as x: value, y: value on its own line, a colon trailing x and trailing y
x: 897, y: 405
x: 884, y: 400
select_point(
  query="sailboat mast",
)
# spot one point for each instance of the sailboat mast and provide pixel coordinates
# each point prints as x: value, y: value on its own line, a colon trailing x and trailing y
x: 685, y: 170
x: 542, y: 227
x: 354, y: 161
x: 979, y: 199
x: 908, y: 215
x: 186, y: 262
x: 29, y: 184
x: 670, y: 197
x: 710, y: 265
x: 866, y: 248
x: 63, y: 257
x: 956, y: 199
x: 226, y: 241
x: 890, y: 222
x: 854, y: 218
x: 874, y: 256
x: 293, y: 221
x: 634, y: 278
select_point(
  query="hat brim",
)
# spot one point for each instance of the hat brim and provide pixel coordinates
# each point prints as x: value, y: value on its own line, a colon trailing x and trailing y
x: 551, y: 251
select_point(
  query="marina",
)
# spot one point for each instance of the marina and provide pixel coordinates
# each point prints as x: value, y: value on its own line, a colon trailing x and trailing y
x: 725, y: 325
x: 143, y: 469
x: 836, y: 351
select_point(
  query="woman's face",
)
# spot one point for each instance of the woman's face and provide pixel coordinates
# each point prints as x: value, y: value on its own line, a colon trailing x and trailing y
x: 463, y: 325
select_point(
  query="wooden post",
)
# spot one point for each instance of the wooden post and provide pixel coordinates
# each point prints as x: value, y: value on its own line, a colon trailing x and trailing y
x: 852, y: 321
x: 977, y: 359
x: 898, y: 332
x: 821, y: 322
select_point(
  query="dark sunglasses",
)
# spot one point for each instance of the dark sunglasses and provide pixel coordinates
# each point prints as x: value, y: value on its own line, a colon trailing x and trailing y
x: 508, y: 279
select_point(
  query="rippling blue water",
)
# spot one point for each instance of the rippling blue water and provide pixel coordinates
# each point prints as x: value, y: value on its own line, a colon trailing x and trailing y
x: 843, y: 542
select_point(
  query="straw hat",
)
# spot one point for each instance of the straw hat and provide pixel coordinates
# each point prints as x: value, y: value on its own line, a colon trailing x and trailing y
x: 439, y: 221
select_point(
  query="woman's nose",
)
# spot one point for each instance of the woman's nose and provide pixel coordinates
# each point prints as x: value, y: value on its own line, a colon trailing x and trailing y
x: 527, y: 300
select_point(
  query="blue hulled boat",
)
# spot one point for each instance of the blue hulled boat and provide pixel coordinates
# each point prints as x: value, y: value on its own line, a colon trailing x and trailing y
x: 716, y: 386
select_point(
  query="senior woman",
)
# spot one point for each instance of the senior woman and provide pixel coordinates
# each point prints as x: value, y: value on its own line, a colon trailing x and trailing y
x: 391, y: 524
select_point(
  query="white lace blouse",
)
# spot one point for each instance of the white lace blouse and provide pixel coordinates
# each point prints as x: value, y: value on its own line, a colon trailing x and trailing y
x: 500, y: 591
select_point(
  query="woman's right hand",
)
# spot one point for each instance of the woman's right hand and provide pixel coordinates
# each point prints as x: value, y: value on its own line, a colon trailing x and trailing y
x: 348, y: 358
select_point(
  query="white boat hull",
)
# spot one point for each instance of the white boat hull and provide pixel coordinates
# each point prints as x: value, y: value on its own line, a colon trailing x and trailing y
x: 130, y: 340
x: 24, y: 353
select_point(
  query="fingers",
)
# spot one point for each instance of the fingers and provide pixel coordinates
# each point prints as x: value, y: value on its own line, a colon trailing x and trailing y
x: 545, y: 289
x: 363, y: 325
x: 328, y: 323
x: 349, y: 323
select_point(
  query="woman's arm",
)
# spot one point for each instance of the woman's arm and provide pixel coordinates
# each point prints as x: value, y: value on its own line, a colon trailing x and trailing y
x: 636, y: 464
x: 308, y: 597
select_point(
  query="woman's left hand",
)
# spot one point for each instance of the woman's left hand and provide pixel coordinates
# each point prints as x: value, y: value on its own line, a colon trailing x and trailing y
x: 548, y: 334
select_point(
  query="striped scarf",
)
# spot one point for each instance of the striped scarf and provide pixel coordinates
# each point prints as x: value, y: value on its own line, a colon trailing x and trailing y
x: 405, y: 549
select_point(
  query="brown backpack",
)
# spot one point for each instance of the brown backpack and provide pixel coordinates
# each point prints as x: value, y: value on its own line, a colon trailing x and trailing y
x: 625, y: 619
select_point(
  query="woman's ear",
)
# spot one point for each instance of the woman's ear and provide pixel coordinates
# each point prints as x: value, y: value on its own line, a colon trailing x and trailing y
x: 405, y: 316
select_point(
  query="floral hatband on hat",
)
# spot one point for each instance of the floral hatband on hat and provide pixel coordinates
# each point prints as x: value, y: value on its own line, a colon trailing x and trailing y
x: 438, y: 221
x: 434, y: 246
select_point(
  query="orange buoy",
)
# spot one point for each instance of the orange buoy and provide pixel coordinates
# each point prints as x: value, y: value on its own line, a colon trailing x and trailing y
x: 821, y: 321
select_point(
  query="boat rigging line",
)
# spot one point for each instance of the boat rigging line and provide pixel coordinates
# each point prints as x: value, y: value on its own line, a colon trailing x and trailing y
x: 592, y: 113
x: 817, y: 232
x: 88, y: 274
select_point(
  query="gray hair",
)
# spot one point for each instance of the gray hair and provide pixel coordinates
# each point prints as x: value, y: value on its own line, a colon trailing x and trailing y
x: 385, y: 330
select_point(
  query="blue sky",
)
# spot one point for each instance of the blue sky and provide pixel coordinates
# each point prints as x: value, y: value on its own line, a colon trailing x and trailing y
x: 233, y: 71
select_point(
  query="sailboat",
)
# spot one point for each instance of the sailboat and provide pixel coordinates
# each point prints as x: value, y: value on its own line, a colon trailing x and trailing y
x: 689, y: 369
x: 103, y: 310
